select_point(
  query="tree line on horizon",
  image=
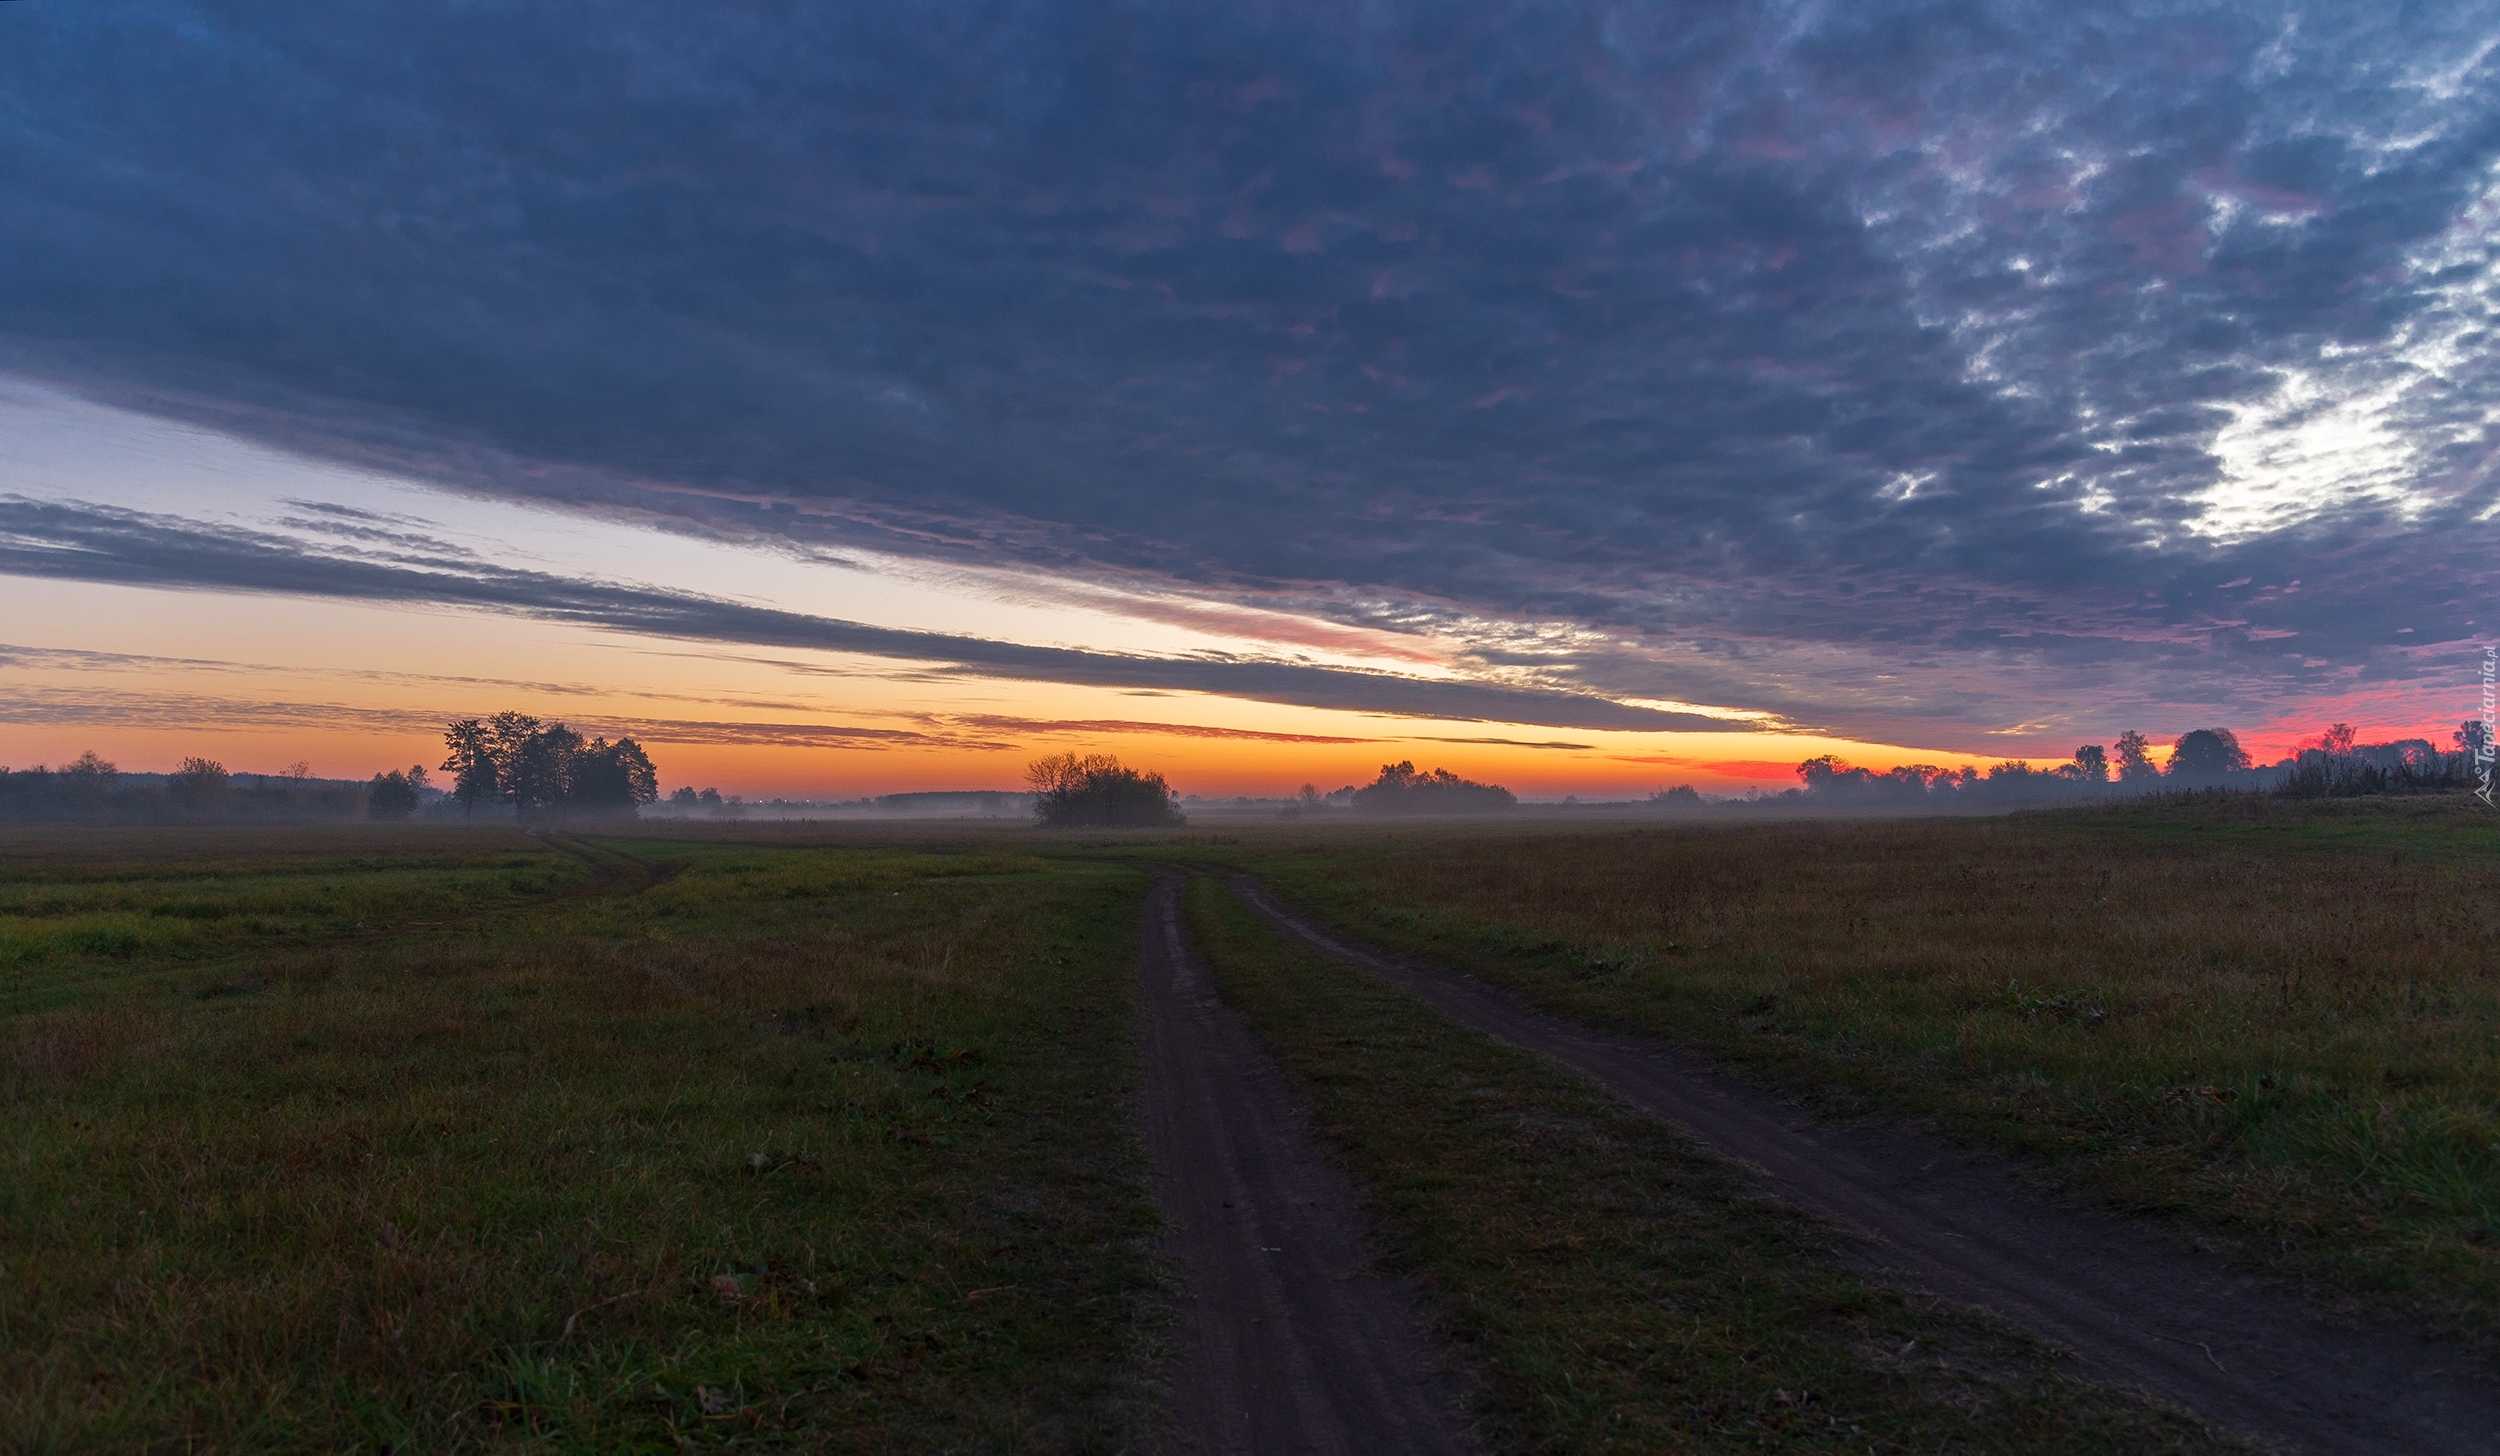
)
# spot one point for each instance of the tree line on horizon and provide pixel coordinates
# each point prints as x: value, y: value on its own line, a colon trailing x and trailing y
x: 1096, y: 790
x: 512, y: 760
x: 2333, y: 765
x: 518, y: 763
x: 92, y: 789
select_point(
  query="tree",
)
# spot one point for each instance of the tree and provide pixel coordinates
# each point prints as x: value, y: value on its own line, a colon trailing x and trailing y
x: 541, y: 775
x: 2473, y: 738
x: 197, y: 785
x: 1682, y: 796
x: 613, y: 777
x: 519, y: 759
x: 684, y: 798
x: 2206, y: 756
x: 2135, y: 759
x: 89, y: 777
x: 393, y: 795
x: 2091, y: 764
x: 2337, y: 741
x: 471, y: 765
x: 1825, y: 773
x: 1095, y: 789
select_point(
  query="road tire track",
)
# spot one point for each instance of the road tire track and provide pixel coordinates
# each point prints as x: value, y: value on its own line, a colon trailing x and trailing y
x: 2131, y: 1300
x: 1291, y: 1339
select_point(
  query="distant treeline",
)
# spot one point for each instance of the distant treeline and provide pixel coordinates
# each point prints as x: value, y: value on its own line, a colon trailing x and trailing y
x: 2331, y: 766
x: 1402, y: 788
x: 91, y: 790
x: 692, y: 803
x: 509, y: 766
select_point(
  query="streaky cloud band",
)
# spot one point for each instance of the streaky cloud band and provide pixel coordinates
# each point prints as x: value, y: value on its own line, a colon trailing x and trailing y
x: 77, y: 541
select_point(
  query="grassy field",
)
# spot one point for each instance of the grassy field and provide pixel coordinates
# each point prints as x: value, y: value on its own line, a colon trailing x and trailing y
x: 471, y: 1140
x: 1617, y: 1287
x: 2281, y: 1021
x: 436, y: 1138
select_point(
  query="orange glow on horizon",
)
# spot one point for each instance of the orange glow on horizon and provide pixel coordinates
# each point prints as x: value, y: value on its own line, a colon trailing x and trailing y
x: 145, y: 677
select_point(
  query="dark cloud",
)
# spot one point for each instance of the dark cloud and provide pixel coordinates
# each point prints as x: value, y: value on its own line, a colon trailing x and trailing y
x: 73, y: 541
x: 1878, y: 365
x: 93, y: 706
x: 1089, y: 726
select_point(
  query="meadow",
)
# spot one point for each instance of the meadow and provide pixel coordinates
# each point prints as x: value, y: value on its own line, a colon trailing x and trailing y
x: 2278, y: 1022
x: 454, y: 1140
x: 794, y: 1137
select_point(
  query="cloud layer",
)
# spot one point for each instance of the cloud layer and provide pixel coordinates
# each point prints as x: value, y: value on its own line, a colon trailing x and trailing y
x: 80, y: 542
x: 1917, y: 371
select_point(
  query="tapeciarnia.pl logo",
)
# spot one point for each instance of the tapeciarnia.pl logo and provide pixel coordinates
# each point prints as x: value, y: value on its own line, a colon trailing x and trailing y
x: 2485, y: 751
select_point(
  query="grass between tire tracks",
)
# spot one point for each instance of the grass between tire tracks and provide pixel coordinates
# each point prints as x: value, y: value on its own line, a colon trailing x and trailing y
x: 1615, y: 1286
x: 792, y: 1148
x: 2281, y: 1021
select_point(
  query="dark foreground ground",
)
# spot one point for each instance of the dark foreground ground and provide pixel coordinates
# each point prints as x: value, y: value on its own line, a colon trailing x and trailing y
x: 796, y: 1139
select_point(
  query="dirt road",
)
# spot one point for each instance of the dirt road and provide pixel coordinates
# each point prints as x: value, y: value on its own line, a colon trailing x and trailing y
x: 1290, y: 1340
x: 2133, y: 1301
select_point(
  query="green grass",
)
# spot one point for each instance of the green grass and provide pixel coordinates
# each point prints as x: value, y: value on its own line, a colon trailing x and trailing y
x: 621, y: 1146
x: 1618, y: 1287
x: 2280, y: 1021
x: 101, y: 905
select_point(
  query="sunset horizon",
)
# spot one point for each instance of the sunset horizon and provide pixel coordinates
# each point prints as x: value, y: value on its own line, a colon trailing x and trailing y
x: 1588, y: 404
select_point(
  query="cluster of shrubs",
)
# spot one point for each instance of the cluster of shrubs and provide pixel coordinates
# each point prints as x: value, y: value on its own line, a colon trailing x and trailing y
x: 1072, y: 791
x: 1400, y: 789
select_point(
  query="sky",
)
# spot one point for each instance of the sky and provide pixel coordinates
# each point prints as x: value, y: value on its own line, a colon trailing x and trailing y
x: 1591, y: 397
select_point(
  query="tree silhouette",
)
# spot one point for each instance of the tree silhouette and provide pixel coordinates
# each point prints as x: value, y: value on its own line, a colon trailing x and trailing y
x: 2091, y: 764
x: 2135, y: 759
x: 197, y: 785
x: 89, y: 777
x: 2206, y: 756
x: 471, y: 765
x: 612, y: 777
x: 546, y: 766
x: 1402, y: 790
x: 509, y: 737
x: 393, y: 795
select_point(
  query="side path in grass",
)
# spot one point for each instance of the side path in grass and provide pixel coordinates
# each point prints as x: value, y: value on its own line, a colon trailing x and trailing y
x: 1291, y: 1339
x: 1614, y: 1286
x: 2134, y: 1303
